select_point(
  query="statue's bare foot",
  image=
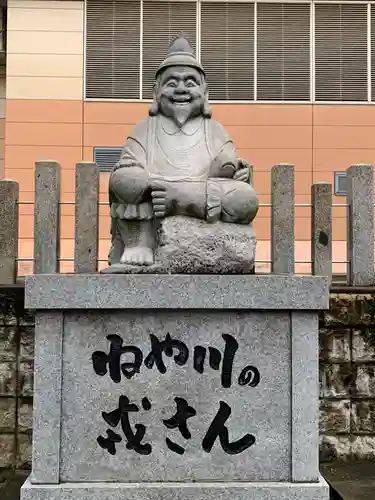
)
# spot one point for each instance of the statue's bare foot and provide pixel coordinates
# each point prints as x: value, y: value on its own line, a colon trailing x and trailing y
x: 139, y: 256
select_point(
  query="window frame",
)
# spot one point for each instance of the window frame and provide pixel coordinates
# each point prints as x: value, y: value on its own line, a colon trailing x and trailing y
x: 370, y: 12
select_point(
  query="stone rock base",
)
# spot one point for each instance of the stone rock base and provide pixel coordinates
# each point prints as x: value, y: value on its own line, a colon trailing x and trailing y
x: 176, y: 491
x: 192, y: 246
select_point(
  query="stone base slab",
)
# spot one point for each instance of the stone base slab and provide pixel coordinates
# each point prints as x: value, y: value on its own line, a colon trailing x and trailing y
x: 176, y: 491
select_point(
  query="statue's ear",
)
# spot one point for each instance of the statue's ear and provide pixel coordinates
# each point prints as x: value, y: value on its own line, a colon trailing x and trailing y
x: 154, y: 108
x: 207, y: 110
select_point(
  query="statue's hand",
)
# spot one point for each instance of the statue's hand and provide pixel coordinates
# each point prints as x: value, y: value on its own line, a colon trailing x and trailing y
x: 162, y: 198
x: 243, y: 173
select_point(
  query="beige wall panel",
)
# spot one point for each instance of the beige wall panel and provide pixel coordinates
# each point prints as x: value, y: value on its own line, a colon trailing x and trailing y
x: 19, y: 87
x: 338, y: 160
x: 61, y: 65
x: 44, y: 111
x: 344, y: 114
x: 43, y: 134
x: 45, y: 4
x: 45, y: 20
x: 44, y: 42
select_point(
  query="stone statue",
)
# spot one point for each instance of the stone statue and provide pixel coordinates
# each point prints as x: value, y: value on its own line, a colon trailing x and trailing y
x: 179, y: 192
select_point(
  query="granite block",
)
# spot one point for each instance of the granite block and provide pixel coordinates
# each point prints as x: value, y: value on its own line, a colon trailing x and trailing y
x: 7, y: 415
x: 363, y: 447
x: 363, y: 344
x: 47, y: 397
x: 27, y: 318
x: 336, y: 380
x: 365, y: 380
x: 25, y: 378
x: 335, y: 416
x: 282, y: 219
x: 9, y: 317
x: 334, y: 344
x: 360, y: 225
x: 25, y: 416
x: 176, y: 292
x: 335, y: 447
x: 191, y: 246
x: 24, y: 451
x: 263, y: 411
x: 304, y: 356
x: 8, y: 343
x: 27, y: 338
x: 178, y: 491
x: 8, y: 378
x: 7, y: 449
x: 363, y: 417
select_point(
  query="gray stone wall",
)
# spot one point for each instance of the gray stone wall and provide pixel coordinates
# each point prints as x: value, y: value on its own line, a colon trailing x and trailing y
x: 347, y: 378
x: 16, y: 373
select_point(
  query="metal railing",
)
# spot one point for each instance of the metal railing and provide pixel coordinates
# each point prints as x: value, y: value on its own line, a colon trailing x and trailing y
x: 359, y: 221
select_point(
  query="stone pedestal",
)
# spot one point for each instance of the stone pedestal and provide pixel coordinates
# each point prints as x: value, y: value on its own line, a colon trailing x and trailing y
x: 176, y: 387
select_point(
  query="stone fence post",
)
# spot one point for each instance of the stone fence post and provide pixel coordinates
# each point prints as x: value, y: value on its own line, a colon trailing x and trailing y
x: 86, y: 218
x: 8, y: 231
x: 282, y: 219
x: 321, y: 229
x: 360, y: 225
x: 47, y: 217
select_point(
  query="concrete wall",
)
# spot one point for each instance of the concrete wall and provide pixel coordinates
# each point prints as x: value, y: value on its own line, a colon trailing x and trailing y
x: 16, y: 375
x: 347, y: 378
x: 47, y: 118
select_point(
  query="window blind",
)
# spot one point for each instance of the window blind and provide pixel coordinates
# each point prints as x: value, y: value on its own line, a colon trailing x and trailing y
x: 340, y: 52
x: 283, y: 51
x: 162, y: 22
x: 227, y: 49
x: 112, y: 49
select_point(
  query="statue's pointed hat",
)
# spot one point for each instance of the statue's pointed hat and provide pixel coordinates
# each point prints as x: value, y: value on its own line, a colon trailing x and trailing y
x: 180, y: 53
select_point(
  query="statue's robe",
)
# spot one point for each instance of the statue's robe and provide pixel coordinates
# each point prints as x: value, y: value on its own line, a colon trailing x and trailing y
x: 200, y: 151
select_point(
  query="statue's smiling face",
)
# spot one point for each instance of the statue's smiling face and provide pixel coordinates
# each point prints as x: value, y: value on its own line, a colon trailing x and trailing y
x: 181, y: 93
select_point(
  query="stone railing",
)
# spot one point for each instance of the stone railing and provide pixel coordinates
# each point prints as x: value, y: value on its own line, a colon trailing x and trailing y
x: 359, y: 220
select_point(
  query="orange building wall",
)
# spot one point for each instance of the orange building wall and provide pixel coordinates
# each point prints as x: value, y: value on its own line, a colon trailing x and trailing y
x: 2, y: 121
x: 46, y: 118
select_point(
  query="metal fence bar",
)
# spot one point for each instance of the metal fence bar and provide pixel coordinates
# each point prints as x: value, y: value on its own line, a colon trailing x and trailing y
x: 282, y: 219
x: 321, y: 229
x: 46, y: 217
x: 86, y: 244
x: 9, y: 191
x: 360, y: 225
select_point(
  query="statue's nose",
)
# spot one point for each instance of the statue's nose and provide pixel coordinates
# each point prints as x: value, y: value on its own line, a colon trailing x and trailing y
x: 181, y: 88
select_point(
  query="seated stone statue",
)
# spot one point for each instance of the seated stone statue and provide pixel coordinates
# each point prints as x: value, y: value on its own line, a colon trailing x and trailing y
x: 177, y: 164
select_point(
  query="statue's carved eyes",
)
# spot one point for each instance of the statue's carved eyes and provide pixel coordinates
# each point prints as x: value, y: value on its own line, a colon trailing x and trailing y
x: 191, y: 83
x: 172, y: 83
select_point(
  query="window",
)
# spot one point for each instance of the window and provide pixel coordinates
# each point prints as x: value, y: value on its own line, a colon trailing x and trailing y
x: 227, y: 49
x: 107, y: 157
x: 341, y: 183
x: 112, y: 49
x: 283, y: 56
x: 341, y: 52
x: 252, y: 50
